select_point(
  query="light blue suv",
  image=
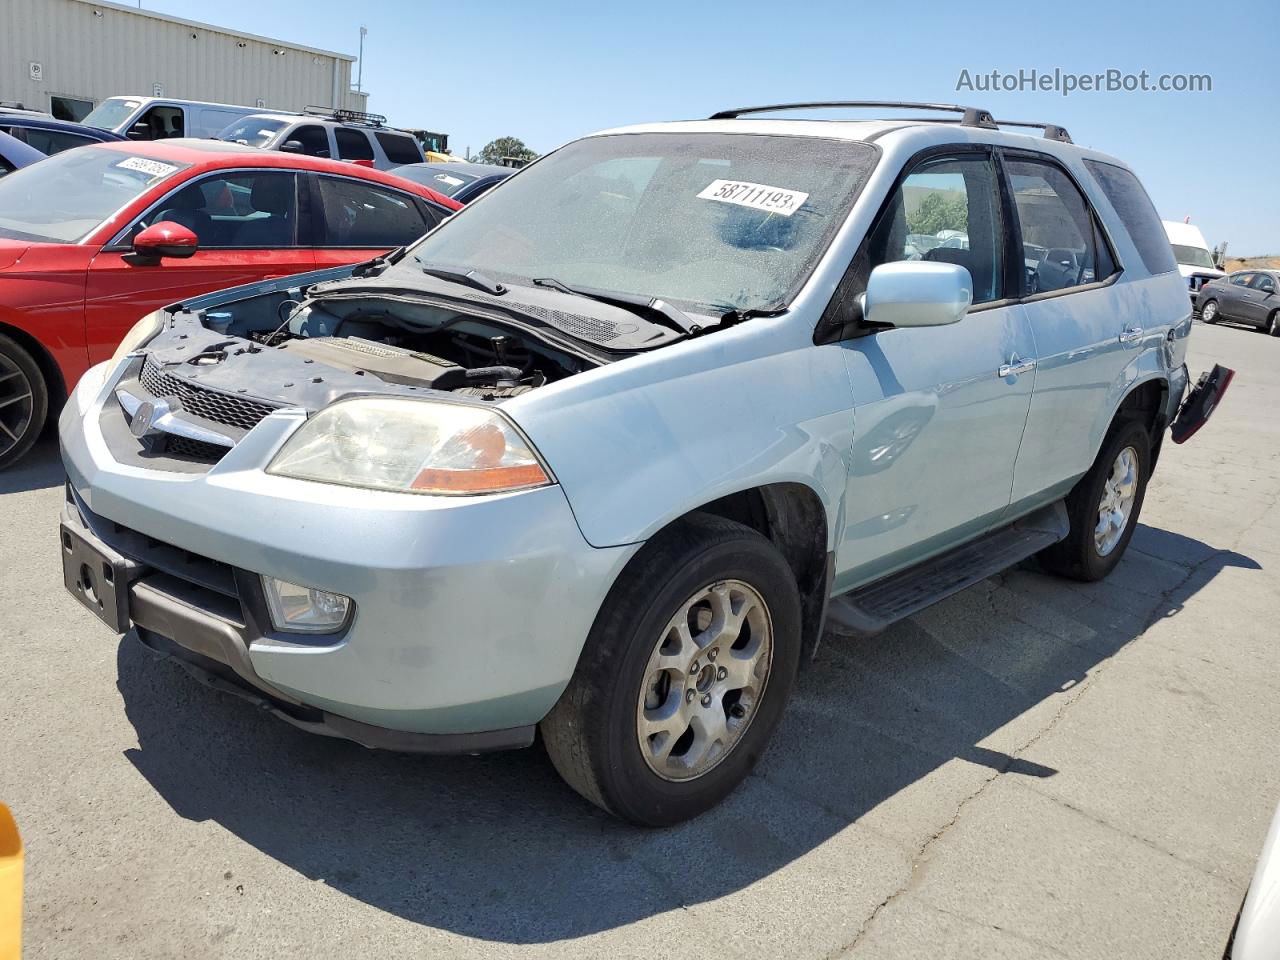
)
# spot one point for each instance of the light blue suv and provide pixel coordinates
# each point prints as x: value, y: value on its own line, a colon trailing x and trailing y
x: 603, y: 453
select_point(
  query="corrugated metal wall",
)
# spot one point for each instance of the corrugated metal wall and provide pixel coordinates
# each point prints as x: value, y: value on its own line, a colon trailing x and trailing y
x: 94, y: 51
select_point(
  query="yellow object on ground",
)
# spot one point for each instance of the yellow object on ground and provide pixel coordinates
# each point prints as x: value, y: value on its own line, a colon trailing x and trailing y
x: 10, y: 887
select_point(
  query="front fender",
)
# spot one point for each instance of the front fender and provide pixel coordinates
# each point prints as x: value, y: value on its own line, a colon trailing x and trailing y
x: 640, y: 442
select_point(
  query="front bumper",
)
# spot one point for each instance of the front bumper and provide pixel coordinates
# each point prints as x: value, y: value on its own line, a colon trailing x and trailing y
x: 470, y: 613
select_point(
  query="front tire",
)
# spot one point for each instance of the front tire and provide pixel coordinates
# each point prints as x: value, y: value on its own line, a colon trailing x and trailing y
x: 1273, y: 323
x: 1209, y: 311
x: 1104, y: 506
x: 684, y: 675
x: 24, y: 402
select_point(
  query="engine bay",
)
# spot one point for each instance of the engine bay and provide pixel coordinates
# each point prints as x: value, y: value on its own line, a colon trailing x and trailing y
x: 369, y: 339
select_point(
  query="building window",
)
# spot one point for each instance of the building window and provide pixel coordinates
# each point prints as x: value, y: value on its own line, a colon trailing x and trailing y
x: 69, y: 108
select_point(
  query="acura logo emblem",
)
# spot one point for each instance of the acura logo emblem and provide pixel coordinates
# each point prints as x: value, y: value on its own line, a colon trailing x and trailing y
x: 144, y: 418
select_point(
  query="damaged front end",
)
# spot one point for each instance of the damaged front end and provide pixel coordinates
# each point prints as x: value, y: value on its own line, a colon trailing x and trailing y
x: 220, y: 364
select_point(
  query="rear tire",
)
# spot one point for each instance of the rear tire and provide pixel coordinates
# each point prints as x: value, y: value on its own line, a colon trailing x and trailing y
x: 654, y: 727
x: 1104, y: 506
x: 1209, y: 311
x: 24, y: 402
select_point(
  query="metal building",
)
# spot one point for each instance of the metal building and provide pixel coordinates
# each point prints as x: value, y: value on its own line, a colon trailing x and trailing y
x: 64, y: 56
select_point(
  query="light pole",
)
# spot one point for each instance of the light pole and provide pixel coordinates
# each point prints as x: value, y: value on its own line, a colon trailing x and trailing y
x: 360, y: 74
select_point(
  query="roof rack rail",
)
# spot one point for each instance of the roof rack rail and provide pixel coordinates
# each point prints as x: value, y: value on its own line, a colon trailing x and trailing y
x: 972, y: 116
x: 346, y: 116
x: 1051, y: 130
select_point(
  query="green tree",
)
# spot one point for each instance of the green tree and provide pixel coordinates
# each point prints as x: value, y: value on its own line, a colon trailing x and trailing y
x: 939, y: 211
x: 506, y: 147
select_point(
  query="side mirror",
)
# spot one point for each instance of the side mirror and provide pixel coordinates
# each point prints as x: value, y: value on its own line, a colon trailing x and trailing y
x: 165, y: 239
x: 292, y: 146
x: 139, y: 131
x: 917, y: 293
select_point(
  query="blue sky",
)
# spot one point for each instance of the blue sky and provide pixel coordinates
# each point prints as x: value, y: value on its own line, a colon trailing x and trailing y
x: 552, y: 70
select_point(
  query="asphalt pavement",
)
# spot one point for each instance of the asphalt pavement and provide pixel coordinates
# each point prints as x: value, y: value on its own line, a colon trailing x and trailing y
x: 1032, y: 769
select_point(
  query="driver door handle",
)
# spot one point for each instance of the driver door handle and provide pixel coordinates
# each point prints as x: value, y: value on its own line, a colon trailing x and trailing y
x: 1015, y: 368
x: 1130, y: 334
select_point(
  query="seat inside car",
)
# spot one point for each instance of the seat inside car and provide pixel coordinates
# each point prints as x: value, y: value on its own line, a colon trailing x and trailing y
x: 273, y: 196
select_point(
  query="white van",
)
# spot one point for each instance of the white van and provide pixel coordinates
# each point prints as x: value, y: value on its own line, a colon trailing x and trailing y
x: 1195, y: 262
x: 159, y: 118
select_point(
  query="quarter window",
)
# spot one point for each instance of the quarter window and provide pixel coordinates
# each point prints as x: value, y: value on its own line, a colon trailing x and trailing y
x: 1137, y: 213
x: 236, y: 210
x: 947, y: 210
x: 356, y: 214
x: 1062, y: 246
x: 399, y: 148
x: 353, y: 144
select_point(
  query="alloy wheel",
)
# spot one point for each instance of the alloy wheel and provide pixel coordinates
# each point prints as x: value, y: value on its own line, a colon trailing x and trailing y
x: 17, y: 404
x: 1116, y: 506
x: 704, y: 680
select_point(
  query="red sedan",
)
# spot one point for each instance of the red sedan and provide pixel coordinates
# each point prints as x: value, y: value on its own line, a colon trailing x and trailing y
x: 93, y: 239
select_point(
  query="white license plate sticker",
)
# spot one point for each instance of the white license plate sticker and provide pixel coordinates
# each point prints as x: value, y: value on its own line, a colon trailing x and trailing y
x: 451, y: 181
x: 757, y: 196
x: 153, y: 168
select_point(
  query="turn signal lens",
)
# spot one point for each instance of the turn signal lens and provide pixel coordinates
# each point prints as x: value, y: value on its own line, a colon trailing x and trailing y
x: 411, y: 446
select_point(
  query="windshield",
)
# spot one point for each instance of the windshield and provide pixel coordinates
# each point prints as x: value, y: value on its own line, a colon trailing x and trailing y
x: 253, y: 131
x: 65, y: 197
x: 111, y: 113
x: 712, y: 221
x: 447, y: 182
x: 1192, y: 256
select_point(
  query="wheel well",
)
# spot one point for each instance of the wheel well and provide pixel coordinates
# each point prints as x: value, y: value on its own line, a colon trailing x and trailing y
x: 48, y: 367
x: 792, y: 517
x: 1145, y: 403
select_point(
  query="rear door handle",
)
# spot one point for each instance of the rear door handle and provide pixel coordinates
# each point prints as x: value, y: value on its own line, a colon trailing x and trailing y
x: 1130, y: 334
x: 1016, y: 368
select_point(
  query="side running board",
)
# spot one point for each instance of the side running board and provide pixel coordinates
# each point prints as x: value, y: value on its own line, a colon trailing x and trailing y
x: 871, y: 608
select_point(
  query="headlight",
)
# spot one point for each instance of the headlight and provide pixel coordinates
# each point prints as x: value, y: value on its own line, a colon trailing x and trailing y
x: 139, y: 336
x: 411, y: 446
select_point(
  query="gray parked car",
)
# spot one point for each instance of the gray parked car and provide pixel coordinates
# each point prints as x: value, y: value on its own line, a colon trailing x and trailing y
x: 1246, y: 296
x: 603, y: 453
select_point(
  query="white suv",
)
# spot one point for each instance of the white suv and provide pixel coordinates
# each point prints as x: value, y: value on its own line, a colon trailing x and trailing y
x: 338, y: 134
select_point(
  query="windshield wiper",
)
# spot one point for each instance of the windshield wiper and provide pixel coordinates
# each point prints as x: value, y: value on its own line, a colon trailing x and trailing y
x: 465, y: 276
x: 674, y: 316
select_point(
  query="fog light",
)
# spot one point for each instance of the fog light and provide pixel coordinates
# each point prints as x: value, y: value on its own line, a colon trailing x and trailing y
x: 297, y: 609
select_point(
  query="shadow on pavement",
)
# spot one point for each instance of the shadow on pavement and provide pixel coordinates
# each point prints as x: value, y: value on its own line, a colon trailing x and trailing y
x: 40, y: 468
x: 498, y: 848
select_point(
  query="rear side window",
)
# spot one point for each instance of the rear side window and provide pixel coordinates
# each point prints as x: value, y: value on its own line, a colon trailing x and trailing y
x: 1137, y: 213
x: 1060, y: 240
x: 399, y: 149
x: 50, y: 142
x: 353, y: 144
x: 356, y: 214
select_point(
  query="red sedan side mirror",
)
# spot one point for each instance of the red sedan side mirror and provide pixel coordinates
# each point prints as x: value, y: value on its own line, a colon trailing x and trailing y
x: 166, y: 239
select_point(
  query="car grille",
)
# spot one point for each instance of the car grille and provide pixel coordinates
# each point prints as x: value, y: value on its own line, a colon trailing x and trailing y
x: 176, y: 446
x: 212, y: 405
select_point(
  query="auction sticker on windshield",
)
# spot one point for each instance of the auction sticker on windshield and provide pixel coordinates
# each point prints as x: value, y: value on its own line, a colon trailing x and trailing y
x: 757, y: 196
x: 153, y: 168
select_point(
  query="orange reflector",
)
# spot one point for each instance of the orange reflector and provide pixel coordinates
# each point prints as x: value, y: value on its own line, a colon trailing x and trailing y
x: 488, y: 480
